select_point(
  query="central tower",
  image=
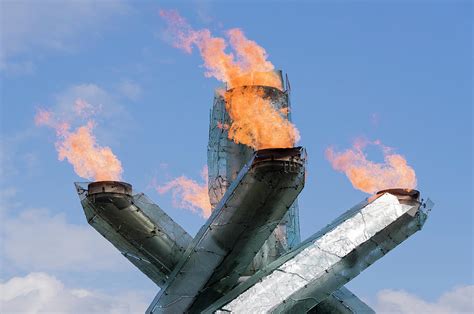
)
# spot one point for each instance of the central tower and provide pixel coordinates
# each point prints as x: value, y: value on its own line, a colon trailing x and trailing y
x: 225, y: 158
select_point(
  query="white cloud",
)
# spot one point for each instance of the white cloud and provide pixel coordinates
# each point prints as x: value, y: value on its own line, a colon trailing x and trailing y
x: 114, y: 122
x: 130, y: 89
x: 42, y: 293
x: 32, y: 27
x: 36, y: 240
x: 21, y: 68
x: 458, y: 300
x: 7, y: 201
x: 204, y: 11
x: 13, y: 157
x: 93, y: 94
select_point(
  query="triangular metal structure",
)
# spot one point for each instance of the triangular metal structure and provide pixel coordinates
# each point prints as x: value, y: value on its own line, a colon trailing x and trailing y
x: 248, y: 257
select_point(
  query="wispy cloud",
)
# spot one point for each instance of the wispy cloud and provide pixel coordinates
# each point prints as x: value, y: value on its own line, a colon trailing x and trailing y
x: 458, y: 300
x: 130, y: 89
x: 7, y: 202
x: 37, y: 240
x: 41, y: 292
x: 375, y: 119
x: 20, y: 68
x: 16, y: 156
x: 204, y: 11
x: 104, y: 101
x: 113, y: 122
x: 30, y: 28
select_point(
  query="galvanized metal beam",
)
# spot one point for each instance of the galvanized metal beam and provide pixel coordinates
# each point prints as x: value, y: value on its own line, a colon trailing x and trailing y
x: 225, y: 158
x: 137, y: 227
x: 242, y: 221
x: 303, y: 278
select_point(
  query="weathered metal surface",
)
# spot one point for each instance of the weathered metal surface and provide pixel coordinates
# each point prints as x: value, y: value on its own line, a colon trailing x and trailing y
x: 116, y: 187
x: 225, y: 158
x: 301, y: 279
x: 242, y: 221
x: 141, y: 230
x: 239, y: 261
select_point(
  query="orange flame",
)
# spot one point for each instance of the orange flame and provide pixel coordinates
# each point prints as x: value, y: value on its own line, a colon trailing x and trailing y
x: 189, y: 194
x: 255, y: 122
x: 80, y: 147
x: 222, y: 126
x: 224, y: 66
x: 369, y: 176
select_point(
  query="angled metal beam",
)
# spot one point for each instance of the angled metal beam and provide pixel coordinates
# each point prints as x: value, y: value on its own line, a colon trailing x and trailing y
x: 303, y: 278
x: 243, y: 220
x: 225, y: 159
x: 139, y: 229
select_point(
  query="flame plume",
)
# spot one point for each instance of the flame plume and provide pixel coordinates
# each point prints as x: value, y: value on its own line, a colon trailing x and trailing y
x: 369, y: 176
x: 224, y: 66
x: 189, y: 194
x: 255, y: 122
x: 80, y: 148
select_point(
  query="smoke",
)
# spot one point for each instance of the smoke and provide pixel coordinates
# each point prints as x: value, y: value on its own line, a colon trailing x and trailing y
x: 189, y: 194
x: 79, y: 147
x: 255, y: 122
x: 369, y: 176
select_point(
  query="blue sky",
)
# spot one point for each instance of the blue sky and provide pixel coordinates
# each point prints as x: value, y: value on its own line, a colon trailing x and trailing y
x: 398, y: 71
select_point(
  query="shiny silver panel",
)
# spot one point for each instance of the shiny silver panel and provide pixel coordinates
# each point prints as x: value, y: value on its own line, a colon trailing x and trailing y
x: 306, y: 276
x: 139, y: 229
x: 242, y: 221
x: 225, y: 158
